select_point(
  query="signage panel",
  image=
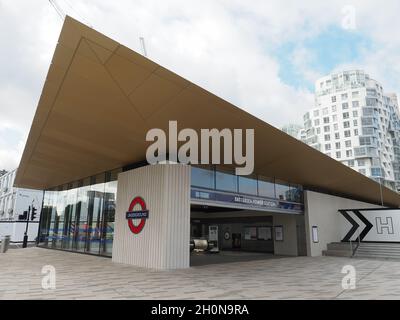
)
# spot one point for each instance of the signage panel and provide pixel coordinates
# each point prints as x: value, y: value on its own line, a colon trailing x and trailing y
x: 251, y: 202
x: 370, y: 225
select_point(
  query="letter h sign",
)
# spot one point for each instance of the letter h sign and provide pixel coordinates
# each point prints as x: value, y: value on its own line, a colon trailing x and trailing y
x: 387, y: 225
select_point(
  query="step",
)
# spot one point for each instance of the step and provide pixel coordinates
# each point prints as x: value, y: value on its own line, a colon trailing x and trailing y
x: 369, y: 253
x: 377, y: 257
x: 337, y: 253
x: 339, y: 246
x: 385, y: 247
x: 378, y: 250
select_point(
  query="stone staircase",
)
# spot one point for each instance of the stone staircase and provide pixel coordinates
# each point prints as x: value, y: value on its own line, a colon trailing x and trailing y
x: 364, y: 250
x: 339, y: 249
x: 378, y: 250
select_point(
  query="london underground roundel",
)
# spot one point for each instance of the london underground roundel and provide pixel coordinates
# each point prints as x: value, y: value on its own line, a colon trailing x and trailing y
x: 140, y: 215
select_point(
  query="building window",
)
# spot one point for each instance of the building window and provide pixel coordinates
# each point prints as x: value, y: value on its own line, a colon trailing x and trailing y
x: 316, y: 113
x: 336, y: 127
x: 365, y: 141
x: 282, y: 190
x: 367, y: 121
x: 333, y: 99
x: 327, y: 137
x: 348, y: 144
x: 355, y: 114
x: 334, y: 108
x: 346, y: 115
x: 356, y: 132
x: 204, y: 178
x: 266, y: 187
x: 350, y: 163
x: 226, y: 181
x: 334, y: 118
x: 346, y: 124
x: 327, y: 128
x: 337, y: 135
x: 318, y: 130
x: 316, y: 122
x: 326, y: 120
x: 328, y: 147
x: 344, y: 96
x: 355, y: 123
x: 349, y: 153
x: 338, y: 155
x: 361, y: 163
x: 347, y: 134
x: 345, y: 106
x: 248, y: 185
x: 325, y: 111
x: 80, y: 216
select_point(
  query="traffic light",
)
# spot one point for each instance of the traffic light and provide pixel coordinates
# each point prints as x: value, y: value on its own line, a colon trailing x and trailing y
x: 33, y: 216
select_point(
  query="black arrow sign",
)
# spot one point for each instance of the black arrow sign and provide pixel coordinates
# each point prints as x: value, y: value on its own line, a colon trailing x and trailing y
x: 368, y: 225
x: 354, y: 224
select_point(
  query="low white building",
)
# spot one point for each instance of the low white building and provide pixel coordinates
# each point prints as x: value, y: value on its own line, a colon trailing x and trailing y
x: 16, y: 206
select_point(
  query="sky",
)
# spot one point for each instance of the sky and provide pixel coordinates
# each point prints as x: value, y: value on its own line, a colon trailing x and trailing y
x: 261, y: 55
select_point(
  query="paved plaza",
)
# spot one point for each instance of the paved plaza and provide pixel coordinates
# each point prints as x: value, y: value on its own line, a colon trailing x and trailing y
x: 88, y: 277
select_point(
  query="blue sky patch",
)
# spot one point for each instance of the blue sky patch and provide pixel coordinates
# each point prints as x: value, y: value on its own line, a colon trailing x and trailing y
x: 331, y: 48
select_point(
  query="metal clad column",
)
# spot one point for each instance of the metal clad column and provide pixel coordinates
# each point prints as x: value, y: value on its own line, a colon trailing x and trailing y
x: 164, y: 241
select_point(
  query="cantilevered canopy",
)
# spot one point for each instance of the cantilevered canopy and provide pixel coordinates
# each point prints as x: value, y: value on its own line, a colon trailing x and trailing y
x: 100, y: 99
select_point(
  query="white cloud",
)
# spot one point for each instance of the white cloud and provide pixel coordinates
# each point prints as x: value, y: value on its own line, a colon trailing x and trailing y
x: 226, y: 46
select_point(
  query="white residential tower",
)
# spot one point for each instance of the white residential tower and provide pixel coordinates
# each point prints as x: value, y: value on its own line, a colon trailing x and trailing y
x: 354, y: 121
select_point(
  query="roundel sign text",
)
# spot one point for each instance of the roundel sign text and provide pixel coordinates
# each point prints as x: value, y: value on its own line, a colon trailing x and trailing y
x: 142, y: 214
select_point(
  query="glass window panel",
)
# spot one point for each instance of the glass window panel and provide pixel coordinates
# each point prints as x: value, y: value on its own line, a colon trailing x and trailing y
x: 82, y: 215
x: 61, y: 204
x: 110, y: 195
x: 266, y: 187
x: 282, y: 190
x: 202, y: 177
x: 226, y: 181
x: 45, y: 220
x: 248, y: 185
x: 70, y: 216
x: 296, y: 193
x: 95, y: 214
x: 53, y: 220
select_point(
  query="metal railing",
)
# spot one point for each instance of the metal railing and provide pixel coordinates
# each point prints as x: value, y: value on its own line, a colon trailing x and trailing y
x: 354, y: 250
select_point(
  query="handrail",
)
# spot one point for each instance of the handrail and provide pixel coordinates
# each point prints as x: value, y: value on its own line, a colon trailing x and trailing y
x: 354, y: 250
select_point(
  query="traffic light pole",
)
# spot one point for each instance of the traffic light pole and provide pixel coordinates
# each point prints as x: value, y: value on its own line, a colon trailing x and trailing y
x: 30, y: 215
x: 25, y: 243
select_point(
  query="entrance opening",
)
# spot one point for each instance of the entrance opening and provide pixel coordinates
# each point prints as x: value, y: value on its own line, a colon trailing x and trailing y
x: 222, y: 235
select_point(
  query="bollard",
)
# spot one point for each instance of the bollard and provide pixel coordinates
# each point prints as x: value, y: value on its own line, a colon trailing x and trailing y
x: 5, y: 242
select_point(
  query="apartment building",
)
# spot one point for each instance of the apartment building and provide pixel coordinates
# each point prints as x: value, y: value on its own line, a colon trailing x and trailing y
x: 355, y: 122
x: 294, y: 130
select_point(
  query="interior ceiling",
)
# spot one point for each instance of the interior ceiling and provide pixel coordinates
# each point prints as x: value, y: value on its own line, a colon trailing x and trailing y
x: 100, y: 99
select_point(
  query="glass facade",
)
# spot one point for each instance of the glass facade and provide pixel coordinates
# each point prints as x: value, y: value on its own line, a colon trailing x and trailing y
x: 80, y: 216
x: 219, y: 180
